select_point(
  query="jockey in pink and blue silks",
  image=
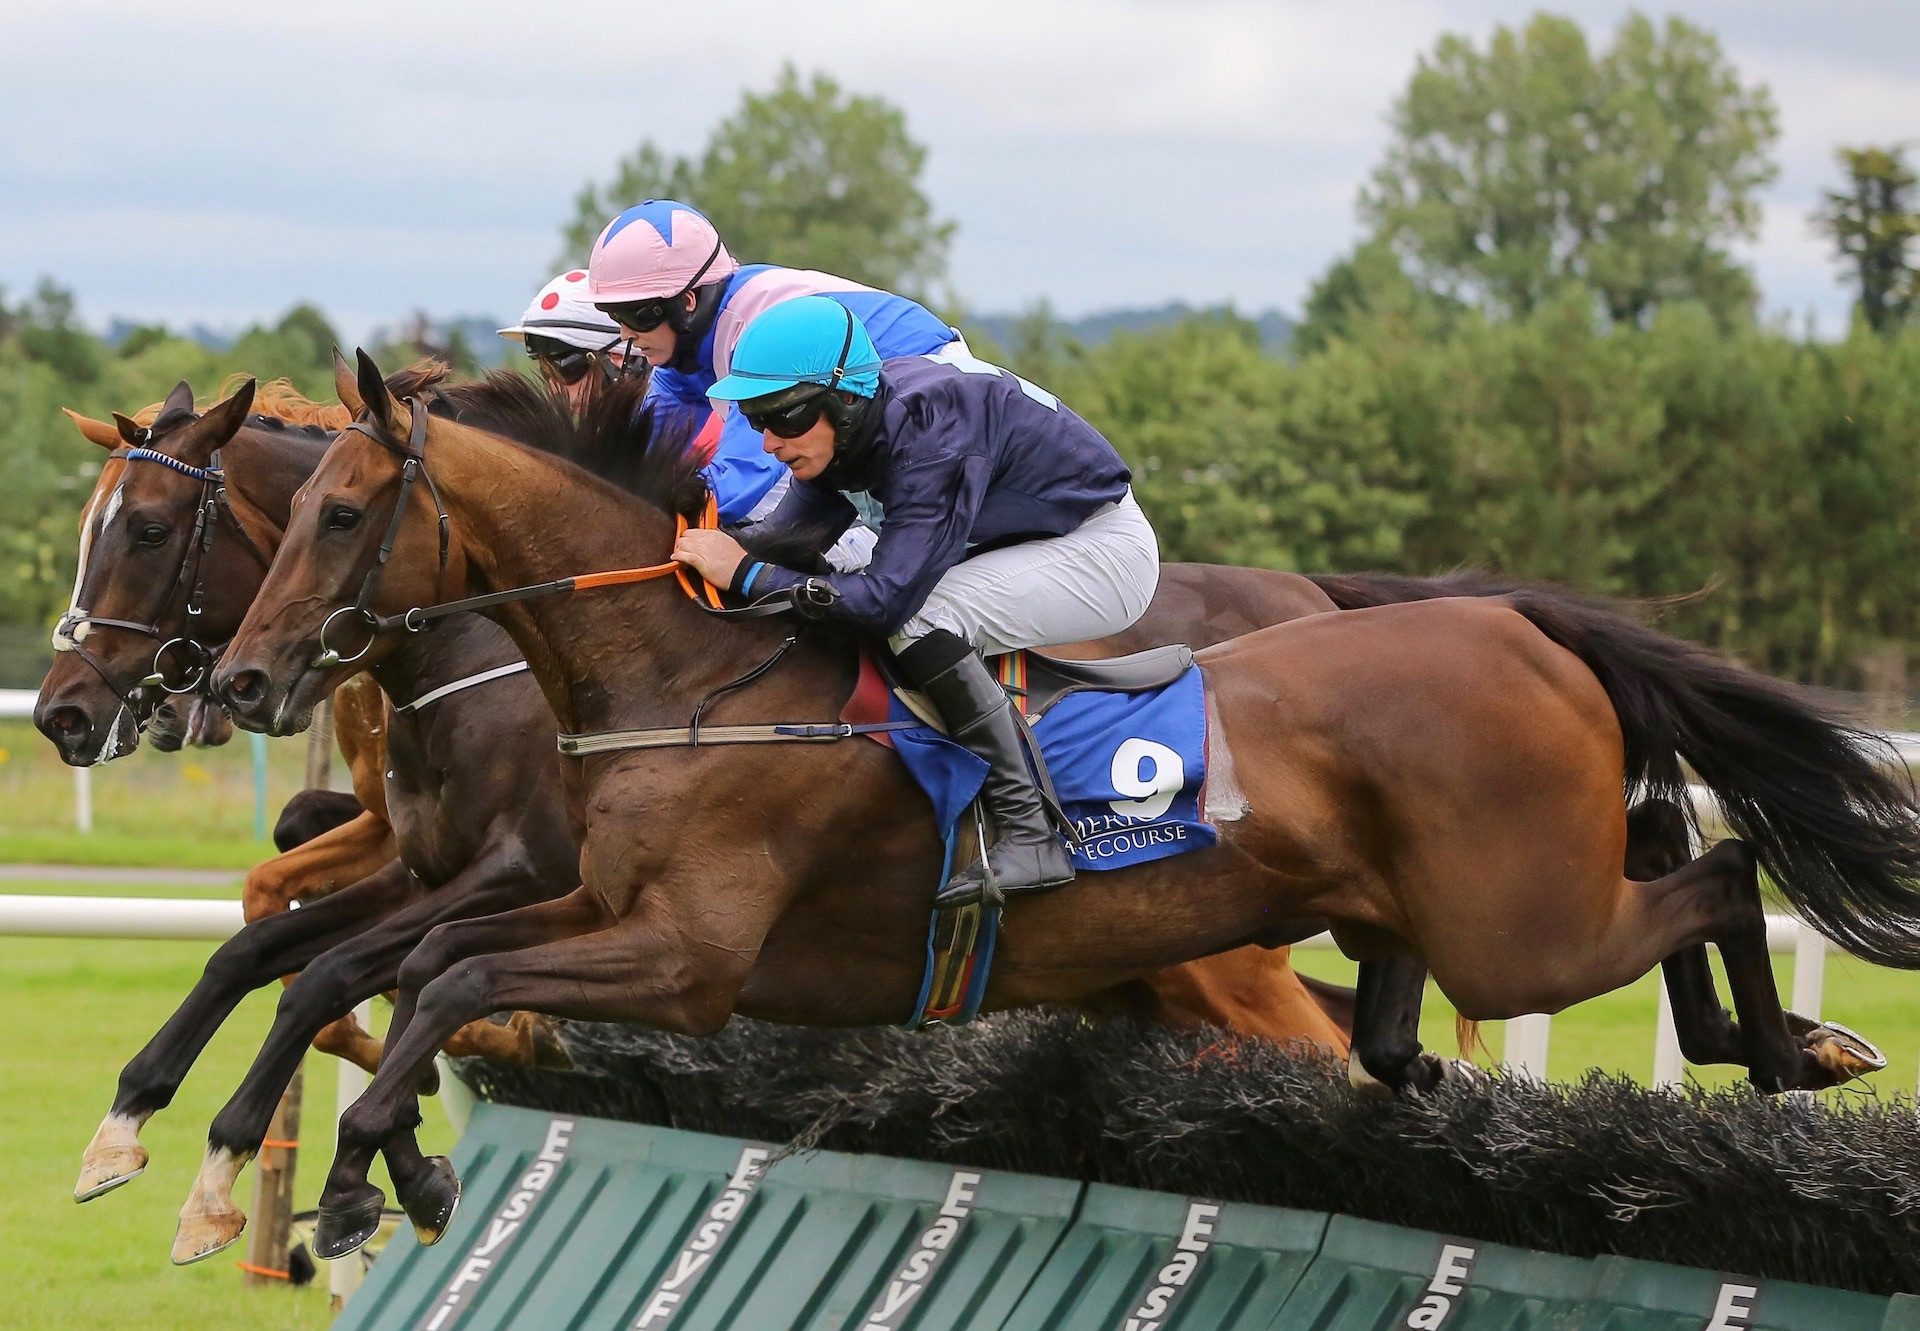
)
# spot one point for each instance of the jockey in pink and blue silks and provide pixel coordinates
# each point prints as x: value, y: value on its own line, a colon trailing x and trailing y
x: 661, y: 270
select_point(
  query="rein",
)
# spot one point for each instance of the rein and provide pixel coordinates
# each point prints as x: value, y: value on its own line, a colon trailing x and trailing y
x: 414, y: 467
x: 701, y: 592
x: 67, y: 634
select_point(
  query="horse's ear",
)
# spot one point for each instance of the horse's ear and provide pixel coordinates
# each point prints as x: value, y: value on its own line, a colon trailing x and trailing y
x: 216, y: 428
x: 132, y: 433
x: 93, y: 431
x: 179, y: 400
x: 375, y: 399
x: 345, y: 387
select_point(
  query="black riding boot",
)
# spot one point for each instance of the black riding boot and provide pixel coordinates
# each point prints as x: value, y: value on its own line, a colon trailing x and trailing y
x: 1028, y: 854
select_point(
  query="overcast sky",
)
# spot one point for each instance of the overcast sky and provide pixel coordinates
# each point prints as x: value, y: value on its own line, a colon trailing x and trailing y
x: 210, y: 161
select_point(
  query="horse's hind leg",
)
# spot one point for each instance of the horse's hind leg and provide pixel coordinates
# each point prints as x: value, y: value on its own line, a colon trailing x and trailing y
x: 1659, y: 842
x: 1783, y: 1051
x: 1716, y: 898
x: 1386, y: 1023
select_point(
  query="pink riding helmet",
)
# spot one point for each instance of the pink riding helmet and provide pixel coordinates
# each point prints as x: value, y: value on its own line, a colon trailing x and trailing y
x: 653, y: 251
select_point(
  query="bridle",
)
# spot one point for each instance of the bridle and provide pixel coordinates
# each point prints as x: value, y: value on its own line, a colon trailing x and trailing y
x: 190, y: 576
x: 814, y: 594
x: 705, y: 595
x: 413, y: 467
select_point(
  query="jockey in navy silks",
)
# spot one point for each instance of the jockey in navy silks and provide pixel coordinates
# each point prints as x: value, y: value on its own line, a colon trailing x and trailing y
x: 661, y: 270
x: 1005, y: 521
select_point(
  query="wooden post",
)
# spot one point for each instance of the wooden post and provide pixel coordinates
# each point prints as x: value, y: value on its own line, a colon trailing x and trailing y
x: 267, y: 1237
x: 273, y: 1190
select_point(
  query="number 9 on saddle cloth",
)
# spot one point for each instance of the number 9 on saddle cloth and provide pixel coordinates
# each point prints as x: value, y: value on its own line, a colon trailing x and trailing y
x: 1129, y: 768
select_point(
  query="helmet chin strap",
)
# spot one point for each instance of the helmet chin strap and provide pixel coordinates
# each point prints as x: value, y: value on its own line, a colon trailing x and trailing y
x: 690, y: 327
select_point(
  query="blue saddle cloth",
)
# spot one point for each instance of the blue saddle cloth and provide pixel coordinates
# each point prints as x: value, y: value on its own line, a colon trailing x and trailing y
x: 1128, y: 768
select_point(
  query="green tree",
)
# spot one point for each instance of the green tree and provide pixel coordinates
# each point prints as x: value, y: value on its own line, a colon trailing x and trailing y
x: 1874, y: 222
x: 1518, y: 167
x: 1240, y: 458
x: 1370, y: 285
x: 804, y: 175
x: 50, y: 333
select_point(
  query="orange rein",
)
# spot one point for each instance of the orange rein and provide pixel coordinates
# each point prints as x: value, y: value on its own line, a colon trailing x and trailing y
x: 620, y: 577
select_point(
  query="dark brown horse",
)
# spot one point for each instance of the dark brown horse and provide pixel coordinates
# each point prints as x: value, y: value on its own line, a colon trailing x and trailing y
x: 475, y: 834
x: 1442, y: 778
x: 85, y: 704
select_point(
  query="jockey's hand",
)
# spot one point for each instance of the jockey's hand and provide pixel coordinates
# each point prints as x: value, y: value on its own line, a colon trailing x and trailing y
x: 714, y: 555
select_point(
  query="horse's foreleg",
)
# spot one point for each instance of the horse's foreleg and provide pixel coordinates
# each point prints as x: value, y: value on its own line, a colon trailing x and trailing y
x: 1386, y: 1027
x: 367, y: 964
x: 339, y: 856
x: 259, y: 954
x: 336, y: 858
x: 388, y: 1112
x: 1248, y: 990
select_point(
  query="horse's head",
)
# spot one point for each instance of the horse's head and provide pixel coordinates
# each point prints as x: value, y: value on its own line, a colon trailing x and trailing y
x: 188, y: 720
x: 365, y: 538
x: 145, y: 582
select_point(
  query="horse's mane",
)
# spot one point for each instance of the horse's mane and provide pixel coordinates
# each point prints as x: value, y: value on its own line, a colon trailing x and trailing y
x: 278, y: 401
x: 614, y: 437
x: 620, y: 440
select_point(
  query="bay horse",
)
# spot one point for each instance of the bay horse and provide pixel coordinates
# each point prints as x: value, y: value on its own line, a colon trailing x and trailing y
x: 1442, y: 779
x: 351, y: 948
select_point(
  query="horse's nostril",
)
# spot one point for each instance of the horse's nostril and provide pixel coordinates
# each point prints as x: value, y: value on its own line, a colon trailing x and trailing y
x: 247, y: 687
x: 68, y: 723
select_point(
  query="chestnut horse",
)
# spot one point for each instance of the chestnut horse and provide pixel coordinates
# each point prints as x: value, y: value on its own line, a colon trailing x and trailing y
x: 1442, y: 779
x: 352, y: 945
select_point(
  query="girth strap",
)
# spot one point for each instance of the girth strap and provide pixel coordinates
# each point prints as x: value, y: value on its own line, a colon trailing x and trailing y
x: 690, y: 737
x: 433, y: 696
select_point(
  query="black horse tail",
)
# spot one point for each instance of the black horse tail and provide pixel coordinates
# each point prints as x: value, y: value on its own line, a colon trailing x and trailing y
x: 1829, y: 807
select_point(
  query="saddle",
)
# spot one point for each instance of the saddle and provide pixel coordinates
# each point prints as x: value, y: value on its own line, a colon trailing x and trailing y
x: 1034, y: 680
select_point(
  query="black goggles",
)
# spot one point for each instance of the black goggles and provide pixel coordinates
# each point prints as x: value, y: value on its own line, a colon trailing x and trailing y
x: 786, y: 420
x: 565, y: 362
x: 642, y: 316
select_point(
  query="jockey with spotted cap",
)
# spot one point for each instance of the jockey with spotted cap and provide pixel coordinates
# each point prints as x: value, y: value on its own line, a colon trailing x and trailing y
x: 569, y: 339
x: 1005, y: 522
x: 661, y: 270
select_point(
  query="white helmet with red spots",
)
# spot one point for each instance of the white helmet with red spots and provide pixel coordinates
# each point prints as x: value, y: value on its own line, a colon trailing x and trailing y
x: 561, y: 310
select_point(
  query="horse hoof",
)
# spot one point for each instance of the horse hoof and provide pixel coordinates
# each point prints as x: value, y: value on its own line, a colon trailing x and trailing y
x: 105, y: 1168
x: 431, y: 1202
x: 203, y: 1234
x: 432, y: 1199
x: 1464, y: 1072
x: 1843, y: 1053
x: 427, y: 1081
x: 548, y: 1053
x: 345, y: 1229
x: 1365, y: 1084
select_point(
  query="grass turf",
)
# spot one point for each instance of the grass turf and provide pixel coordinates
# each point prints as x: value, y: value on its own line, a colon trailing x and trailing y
x: 80, y: 1010
x: 192, y: 809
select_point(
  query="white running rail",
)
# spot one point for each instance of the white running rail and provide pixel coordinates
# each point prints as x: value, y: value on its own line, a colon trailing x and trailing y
x: 153, y: 917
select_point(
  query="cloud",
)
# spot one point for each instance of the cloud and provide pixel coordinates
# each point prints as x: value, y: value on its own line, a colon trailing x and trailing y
x: 1093, y: 151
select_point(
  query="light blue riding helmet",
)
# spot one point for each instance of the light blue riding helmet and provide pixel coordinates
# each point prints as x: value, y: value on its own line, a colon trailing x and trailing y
x: 806, y: 340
